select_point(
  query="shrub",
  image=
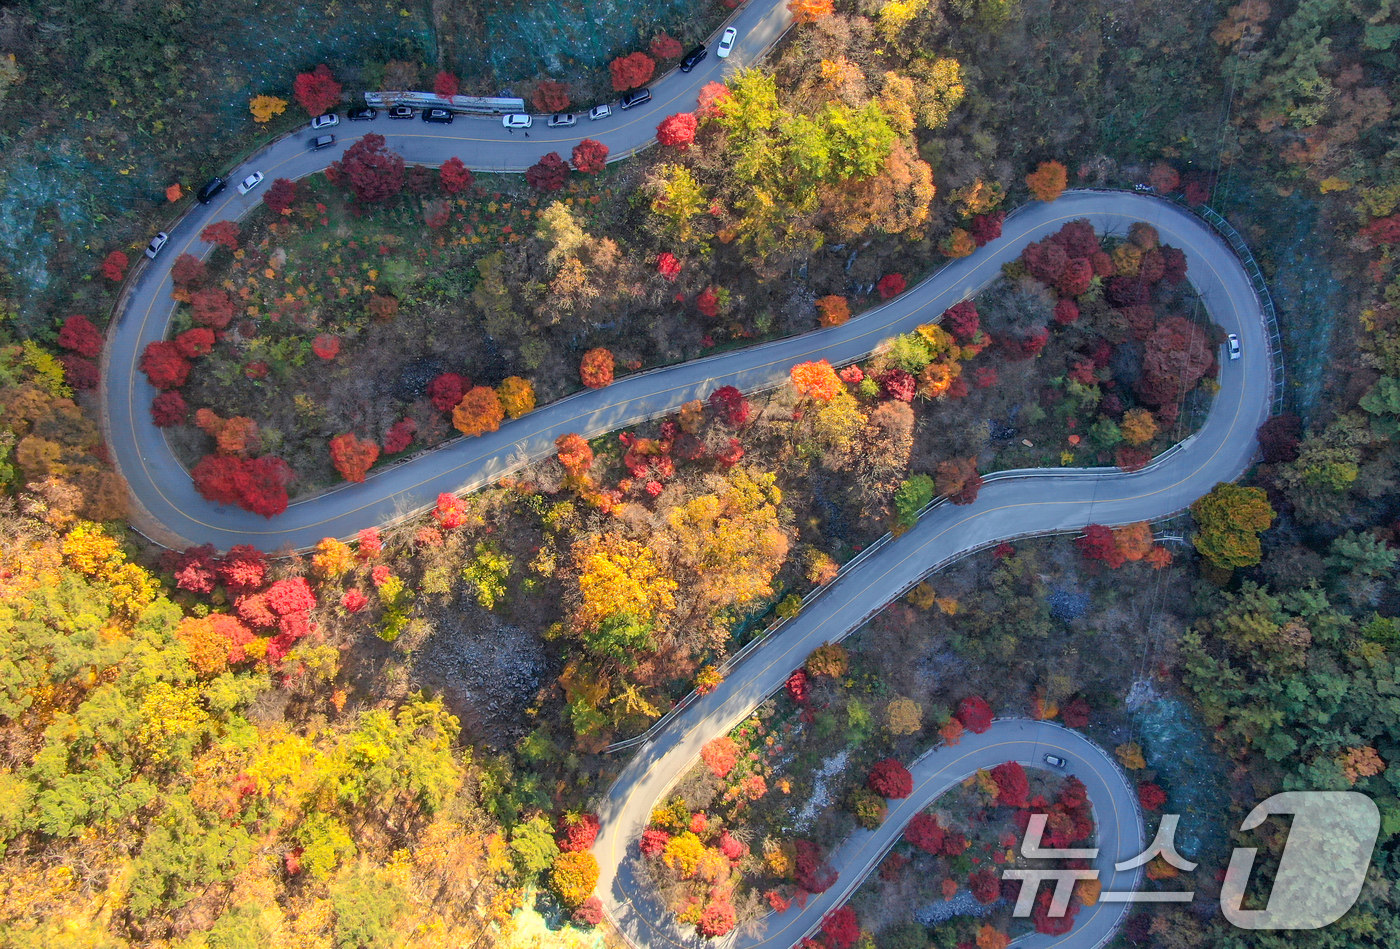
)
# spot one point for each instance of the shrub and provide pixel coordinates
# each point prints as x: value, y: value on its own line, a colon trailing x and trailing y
x: 890, y: 779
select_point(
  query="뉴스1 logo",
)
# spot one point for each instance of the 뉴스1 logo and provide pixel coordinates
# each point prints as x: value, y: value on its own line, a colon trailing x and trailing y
x: 1319, y: 874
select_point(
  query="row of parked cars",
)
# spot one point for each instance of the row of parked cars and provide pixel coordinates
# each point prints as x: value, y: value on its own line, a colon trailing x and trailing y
x: 516, y: 120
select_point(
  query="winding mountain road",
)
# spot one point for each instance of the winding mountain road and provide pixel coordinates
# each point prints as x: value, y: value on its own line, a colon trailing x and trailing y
x: 1013, y: 504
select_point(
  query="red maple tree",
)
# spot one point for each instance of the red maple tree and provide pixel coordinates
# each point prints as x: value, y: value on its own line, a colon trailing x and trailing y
x: 547, y: 174
x: 223, y: 233
x: 399, y: 436
x: 258, y: 485
x: 280, y: 195
x: 729, y: 403
x: 891, y: 285
x: 114, y: 266
x: 79, y: 335
x: 196, y: 342
x: 677, y: 130
x: 79, y: 372
x: 169, y: 408
x: 841, y: 928
x: 590, y: 156
x: 596, y: 368
x: 447, y: 390
x: 445, y: 85
x: 1151, y: 796
x: 924, y: 832
x: 455, y: 177
x: 352, y: 456
x: 630, y: 72
x: 164, y: 365
x: 1012, y: 786
x: 579, y: 834
x: 889, y: 778
x: 665, y: 47
x: 370, y: 170
x: 317, y: 91
x: 975, y: 714
x: 188, y: 272
x: 550, y: 96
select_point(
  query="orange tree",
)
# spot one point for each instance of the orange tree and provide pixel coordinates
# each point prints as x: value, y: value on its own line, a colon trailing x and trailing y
x: 479, y: 411
x: 1048, y: 181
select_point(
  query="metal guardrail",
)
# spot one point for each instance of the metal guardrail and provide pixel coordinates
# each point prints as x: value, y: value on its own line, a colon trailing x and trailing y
x: 1261, y: 290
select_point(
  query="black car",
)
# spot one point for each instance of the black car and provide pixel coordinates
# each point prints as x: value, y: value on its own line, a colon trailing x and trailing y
x: 689, y: 60
x: 440, y: 116
x: 636, y: 97
x: 363, y: 114
x: 322, y: 141
x: 401, y: 112
x: 206, y: 194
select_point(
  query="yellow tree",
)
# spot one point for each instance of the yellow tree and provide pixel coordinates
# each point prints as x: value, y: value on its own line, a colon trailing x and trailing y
x: 517, y: 396
x: 620, y: 577
x: 729, y: 542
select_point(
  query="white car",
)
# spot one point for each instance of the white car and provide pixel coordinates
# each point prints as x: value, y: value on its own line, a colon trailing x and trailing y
x: 517, y: 120
x: 156, y: 244
x: 1232, y: 344
x: 726, y: 43
x: 251, y: 182
x: 1055, y: 761
x: 325, y: 121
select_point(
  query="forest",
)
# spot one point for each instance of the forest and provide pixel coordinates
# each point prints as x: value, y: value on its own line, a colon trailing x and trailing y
x: 400, y: 738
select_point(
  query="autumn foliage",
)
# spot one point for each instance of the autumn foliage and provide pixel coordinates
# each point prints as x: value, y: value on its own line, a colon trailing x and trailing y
x: 280, y: 195
x: 370, y: 170
x: 596, y: 368
x: 352, y: 456
x: 889, y: 778
x: 164, y: 365
x: 1048, y: 181
x: 833, y: 310
x: 446, y: 390
x: 891, y: 285
x: 445, y: 85
x: 258, y: 485
x: 479, y: 411
x: 677, y: 130
x: 223, y: 233
x: 455, y: 176
x: 317, y: 91
x: 816, y: 380
x: 114, y: 266
x: 975, y: 714
x: 547, y: 174
x: 517, y: 396
x: 809, y: 11
x: 631, y: 72
x: 550, y: 96
x: 575, y: 454
x: 79, y: 335
x: 589, y: 156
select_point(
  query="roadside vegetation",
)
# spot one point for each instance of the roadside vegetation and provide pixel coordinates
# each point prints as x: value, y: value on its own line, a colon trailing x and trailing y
x: 398, y: 741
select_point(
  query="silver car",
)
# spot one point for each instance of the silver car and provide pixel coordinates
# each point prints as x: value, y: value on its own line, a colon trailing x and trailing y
x: 1232, y: 344
x: 562, y: 120
x: 156, y: 244
x: 251, y: 182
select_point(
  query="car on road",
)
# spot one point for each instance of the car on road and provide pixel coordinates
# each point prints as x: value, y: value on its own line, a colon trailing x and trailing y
x: 562, y: 120
x: 401, y: 112
x: 206, y: 194
x: 599, y: 112
x: 156, y: 244
x: 322, y: 141
x: 691, y: 59
x: 362, y: 113
x: 517, y: 120
x: 726, y: 43
x: 325, y: 121
x: 251, y: 182
x: 440, y: 116
x: 1232, y: 344
x: 635, y: 97
x: 1055, y: 761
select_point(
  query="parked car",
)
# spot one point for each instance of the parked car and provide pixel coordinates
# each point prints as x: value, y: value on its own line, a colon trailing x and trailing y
x: 635, y: 97
x: 517, y: 120
x: 599, y: 112
x: 362, y: 113
x: 562, y: 120
x: 156, y: 244
x: 1232, y: 343
x: 206, y: 194
x: 322, y: 141
x: 440, y: 116
x: 401, y: 112
x: 325, y: 121
x: 251, y: 182
x: 726, y: 43
x: 690, y: 59
x: 1055, y: 761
